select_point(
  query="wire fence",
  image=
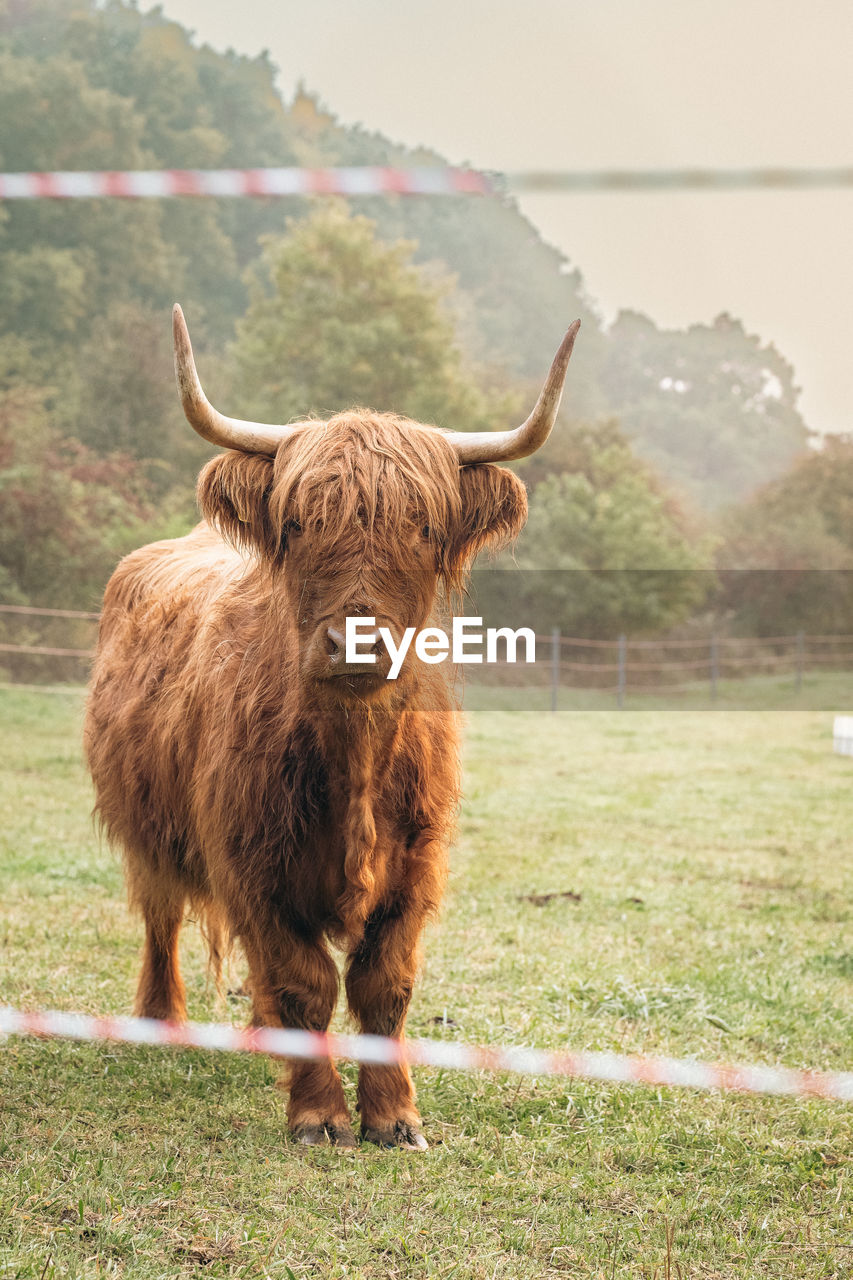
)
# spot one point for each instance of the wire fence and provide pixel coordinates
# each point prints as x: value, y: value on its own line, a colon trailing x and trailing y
x: 49, y: 648
x: 623, y: 666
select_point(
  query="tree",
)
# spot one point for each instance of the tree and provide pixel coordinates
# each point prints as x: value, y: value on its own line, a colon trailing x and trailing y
x: 66, y: 513
x: 96, y: 250
x: 786, y: 559
x: 336, y: 317
x: 87, y: 285
x: 606, y: 548
x: 122, y: 397
x: 712, y: 408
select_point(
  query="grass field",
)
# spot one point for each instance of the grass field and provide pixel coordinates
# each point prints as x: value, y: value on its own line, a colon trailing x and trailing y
x: 712, y: 855
x: 825, y: 691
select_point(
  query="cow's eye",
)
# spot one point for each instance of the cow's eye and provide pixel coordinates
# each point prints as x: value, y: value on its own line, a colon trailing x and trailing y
x: 425, y: 533
x: 294, y: 529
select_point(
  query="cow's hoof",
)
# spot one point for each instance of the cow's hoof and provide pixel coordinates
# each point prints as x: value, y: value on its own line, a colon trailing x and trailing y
x: 321, y: 1135
x: 342, y: 1136
x: 407, y: 1137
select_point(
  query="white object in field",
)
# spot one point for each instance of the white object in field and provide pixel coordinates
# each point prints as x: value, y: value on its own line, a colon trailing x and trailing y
x: 842, y: 735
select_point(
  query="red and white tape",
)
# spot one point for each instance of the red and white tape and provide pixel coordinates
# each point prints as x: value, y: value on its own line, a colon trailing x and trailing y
x: 615, y: 1068
x: 377, y: 180
x: 363, y: 180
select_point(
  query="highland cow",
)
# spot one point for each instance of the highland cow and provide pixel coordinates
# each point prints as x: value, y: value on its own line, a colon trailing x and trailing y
x: 294, y: 799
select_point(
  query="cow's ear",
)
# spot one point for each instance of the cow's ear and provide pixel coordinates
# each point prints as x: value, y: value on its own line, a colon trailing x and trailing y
x: 233, y: 494
x: 493, y: 511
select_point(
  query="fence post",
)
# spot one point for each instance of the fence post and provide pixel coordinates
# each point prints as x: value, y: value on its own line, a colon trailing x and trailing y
x: 801, y: 653
x: 715, y: 666
x: 555, y: 666
x: 620, y: 692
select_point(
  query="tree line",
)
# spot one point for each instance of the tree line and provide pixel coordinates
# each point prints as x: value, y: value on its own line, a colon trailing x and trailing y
x: 679, y: 452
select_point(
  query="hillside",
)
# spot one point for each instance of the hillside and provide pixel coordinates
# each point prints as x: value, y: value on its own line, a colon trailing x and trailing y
x: 713, y: 408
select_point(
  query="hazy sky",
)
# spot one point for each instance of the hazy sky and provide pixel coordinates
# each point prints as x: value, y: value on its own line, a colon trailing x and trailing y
x: 632, y: 83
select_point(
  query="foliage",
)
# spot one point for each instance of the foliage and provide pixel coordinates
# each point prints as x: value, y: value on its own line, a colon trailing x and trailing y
x: 516, y: 294
x: 124, y: 396
x: 87, y: 286
x: 787, y: 554
x: 66, y: 513
x: 163, y: 102
x: 605, y: 550
x: 712, y: 408
x: 337, y: 317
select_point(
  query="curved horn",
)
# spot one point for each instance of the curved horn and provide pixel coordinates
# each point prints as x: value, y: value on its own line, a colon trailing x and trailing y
x: 227, y: 433
x: 506, y: 446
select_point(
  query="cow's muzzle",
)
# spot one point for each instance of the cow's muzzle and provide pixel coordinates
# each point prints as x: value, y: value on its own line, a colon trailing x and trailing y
x: 370, y: 646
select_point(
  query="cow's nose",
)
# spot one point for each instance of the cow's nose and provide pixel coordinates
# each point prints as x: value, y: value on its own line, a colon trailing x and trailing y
x: 336, y: 646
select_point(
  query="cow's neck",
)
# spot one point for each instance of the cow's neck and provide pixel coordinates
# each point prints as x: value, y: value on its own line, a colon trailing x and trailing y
x: 358, y: 748
x: 357, y: 743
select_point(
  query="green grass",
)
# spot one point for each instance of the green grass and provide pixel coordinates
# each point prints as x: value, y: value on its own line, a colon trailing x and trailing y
x: 712, y: 855
x: 822, y: 691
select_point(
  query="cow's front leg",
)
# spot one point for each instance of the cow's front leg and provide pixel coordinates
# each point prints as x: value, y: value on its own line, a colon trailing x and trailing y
x: 380, y: 975
x: 295, y: 984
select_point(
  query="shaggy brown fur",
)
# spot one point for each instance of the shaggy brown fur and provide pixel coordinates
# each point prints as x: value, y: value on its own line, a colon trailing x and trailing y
x: 288, y: 808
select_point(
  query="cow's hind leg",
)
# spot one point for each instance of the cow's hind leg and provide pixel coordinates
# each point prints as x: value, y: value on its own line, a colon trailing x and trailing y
x: 161, y: 992
x: 295, y: 984
x: 380, y: 976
